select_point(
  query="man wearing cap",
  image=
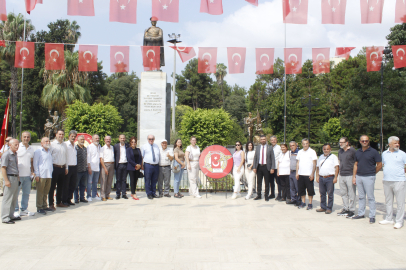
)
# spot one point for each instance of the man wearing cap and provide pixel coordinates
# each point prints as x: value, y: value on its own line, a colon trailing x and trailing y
x: 153, y: 36
x: 164, y: 177
x: 2, y: 151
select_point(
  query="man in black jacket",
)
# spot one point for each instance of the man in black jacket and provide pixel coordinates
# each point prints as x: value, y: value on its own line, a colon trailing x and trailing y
x: 121, y: 167
x: 264, y: 166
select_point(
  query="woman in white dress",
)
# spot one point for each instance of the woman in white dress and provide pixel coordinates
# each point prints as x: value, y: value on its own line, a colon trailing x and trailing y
x: 238, y: 168
x: 192, y: 156
x: 249, y: 172
x: 284, y: 171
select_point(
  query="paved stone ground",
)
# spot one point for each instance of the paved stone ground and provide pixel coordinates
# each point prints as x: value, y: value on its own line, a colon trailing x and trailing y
x: 212, y: 233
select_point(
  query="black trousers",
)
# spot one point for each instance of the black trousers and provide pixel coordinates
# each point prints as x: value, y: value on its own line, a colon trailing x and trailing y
x: 275, y: 178
x: 121, y: 179
x: 58, y: 175
x: 285, y: 186
x: 133, y: 180
x: 69, y: 184
x: 262, y: 172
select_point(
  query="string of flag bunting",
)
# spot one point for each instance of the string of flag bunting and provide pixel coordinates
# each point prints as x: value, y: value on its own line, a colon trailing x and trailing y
x: 294, y: 11
x: 207, y: 57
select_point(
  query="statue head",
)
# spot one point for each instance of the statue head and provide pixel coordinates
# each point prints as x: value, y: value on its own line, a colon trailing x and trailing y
x: 249, y: 114
x: 48, y: 121
x: 56, y: 113
x: 153, y: 20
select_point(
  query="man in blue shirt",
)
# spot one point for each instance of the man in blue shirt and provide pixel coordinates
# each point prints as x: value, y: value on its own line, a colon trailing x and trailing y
x: 151, y: 155
x: 368, y: 163
x: 394, y: 161
x: 43, y: 169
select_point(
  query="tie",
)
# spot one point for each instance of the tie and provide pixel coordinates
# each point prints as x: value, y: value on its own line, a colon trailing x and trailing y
x: 153, y: 153
x: 263, y: 150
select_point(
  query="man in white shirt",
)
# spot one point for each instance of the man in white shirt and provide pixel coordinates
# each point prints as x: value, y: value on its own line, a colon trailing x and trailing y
x: 107, y: 170
x: 25, y: 156
x: 93, y: 165
x: 69, y: 184
x: 58, y: 150
x: 274, y: 176
x: 2, y: 150
x: 305, y: 168
x: 164, y: 177
x: 120, y: 156
x: 326, y: 176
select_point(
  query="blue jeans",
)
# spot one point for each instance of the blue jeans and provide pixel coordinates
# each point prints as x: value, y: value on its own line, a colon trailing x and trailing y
x: 326, y: 185
x: 26, y: 187
x: 294, y: 189
x: 177, y: 178
x: 81, y: 184
x: 366, y: 186
x: 92, y: 184
x: 151, y: 173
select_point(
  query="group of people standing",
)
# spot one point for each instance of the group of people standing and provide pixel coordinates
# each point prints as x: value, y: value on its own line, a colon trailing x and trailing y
x: 70, y: 169
x: 294, y: 172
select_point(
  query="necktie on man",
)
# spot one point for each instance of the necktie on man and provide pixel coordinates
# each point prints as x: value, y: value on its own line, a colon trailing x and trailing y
x: 263, y: 150
x: 153, y: 153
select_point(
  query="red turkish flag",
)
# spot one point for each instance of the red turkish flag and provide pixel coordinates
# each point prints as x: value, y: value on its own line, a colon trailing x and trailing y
x: 213, y: 7
x: 81, y: 7
x: 151, y: 56
x: 399, y: 55
x: 24, y: 54
x: 400, y: 11
x: 293, y: 60
x: 3, y: 11
x: 265, y: 57
x: 119, y: 58
x: 54, y: 56
x: 321, y: 60
x: 374, y: 58
x: 371, y: 11
x: 88, y: 57
x: 185, y: 53
x: 254, y: 2
x: 4, y: 127
x: 295, y: 11
x: 2, y: 43
x: 207, y: 60
x: 123, y: 11
x: 333, y: 11
x: 344, y: 52
x: 30, y: 5
x: 166, y: 10
x: 236, y: 60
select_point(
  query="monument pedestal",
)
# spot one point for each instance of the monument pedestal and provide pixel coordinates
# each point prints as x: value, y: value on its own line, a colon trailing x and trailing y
x: 152, y: 107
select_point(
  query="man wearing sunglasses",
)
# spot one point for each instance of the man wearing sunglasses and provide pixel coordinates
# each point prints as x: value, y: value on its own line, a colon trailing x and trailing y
x: 368, y: 163
x: 2, y: 151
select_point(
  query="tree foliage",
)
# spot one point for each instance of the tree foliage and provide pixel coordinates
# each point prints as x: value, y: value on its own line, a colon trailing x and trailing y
x: 333, y: 130
x: 208, y: 126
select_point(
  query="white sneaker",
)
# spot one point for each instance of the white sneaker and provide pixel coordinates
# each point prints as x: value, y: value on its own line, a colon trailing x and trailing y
x: 238, y: 195
x: 247, y: 197
x: 96, y: 198
x: 234, y: 196
x: 198, y: 197
x: 398, y: 226
x: 386, y: 222
x: 89, y: 199
x: 26, y: 213
x: 16, y: 214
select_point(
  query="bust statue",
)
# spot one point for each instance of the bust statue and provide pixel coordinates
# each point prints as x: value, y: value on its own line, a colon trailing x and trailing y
x: 153, y: 36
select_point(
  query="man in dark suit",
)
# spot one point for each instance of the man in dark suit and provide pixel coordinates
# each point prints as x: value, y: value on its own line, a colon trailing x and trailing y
x: 120, y: 162
x: 264, y: 165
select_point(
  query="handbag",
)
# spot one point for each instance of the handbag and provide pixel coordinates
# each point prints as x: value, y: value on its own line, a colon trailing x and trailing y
x: 141, y: 174
x: 175, y: 166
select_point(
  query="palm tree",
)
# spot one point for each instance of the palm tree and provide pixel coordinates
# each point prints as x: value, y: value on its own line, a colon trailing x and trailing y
x: 220, y: 74
x: 13, y: 30
x: 73, y: 34
x: 65, y: 86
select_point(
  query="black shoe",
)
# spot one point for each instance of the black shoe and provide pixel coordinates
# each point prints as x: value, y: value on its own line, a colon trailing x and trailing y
x: 16, y: 218
x: 155, y: 196
x: 118, y: 197
x: 350, y: 214
x: 298, y: 203
x: 161, y: 195
x: 272, y: 196
x: 125, y: 197
x: 343, y: 212
x: 42, y: 211
x: 76, y: 201
x: 150, y: 197
x: 167, y: 195
x: 290, y: 202
x: 83, y: 200
x: 357, y: 217
x: 8, y: 222
x: 70, y: 203
x: 267, y: 199
x: 257, y: 198
x: 49, y: 210
x: 372, y: 220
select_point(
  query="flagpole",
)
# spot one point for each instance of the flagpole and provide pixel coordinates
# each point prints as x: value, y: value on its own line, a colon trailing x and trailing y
x: 284, y: 116
x: 173, y: 89
x: 22, y: 88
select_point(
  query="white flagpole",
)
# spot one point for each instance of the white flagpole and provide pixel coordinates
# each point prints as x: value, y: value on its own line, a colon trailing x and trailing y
x: 284, y: 115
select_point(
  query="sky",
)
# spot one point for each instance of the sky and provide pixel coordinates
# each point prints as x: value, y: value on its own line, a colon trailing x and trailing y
x: 241, y: 25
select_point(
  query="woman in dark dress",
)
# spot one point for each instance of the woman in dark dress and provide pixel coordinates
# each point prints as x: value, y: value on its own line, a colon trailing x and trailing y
x: 134, y: 162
